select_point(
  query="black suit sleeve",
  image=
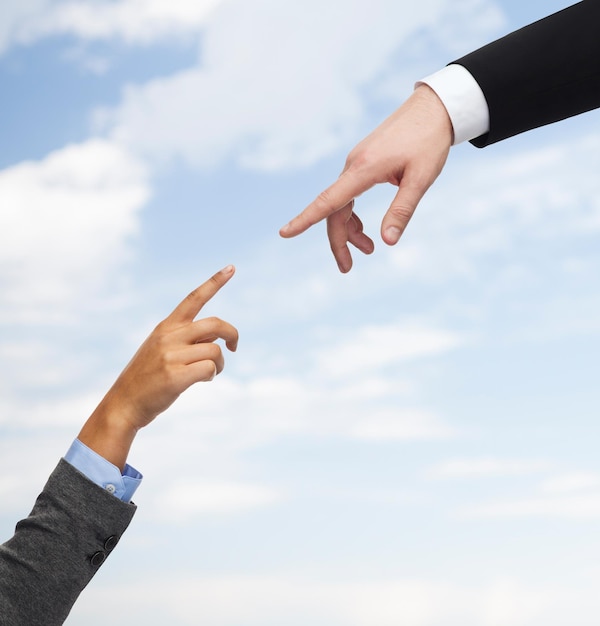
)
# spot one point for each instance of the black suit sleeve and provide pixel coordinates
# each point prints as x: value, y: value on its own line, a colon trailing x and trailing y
x: 545, y: 72
x: 56, y: 551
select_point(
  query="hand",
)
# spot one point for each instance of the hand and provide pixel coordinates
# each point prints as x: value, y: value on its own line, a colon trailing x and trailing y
x: 408, y: 150
x: 178, y: 353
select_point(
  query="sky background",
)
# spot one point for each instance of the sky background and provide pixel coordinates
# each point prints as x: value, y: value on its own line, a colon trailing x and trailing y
x: 414, y: 443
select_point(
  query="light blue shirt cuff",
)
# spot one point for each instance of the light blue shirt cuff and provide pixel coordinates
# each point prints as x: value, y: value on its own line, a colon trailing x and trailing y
x: 102, y: 472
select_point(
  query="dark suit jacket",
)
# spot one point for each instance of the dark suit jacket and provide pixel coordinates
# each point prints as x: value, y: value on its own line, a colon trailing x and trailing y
x: 56, y: 551
x: 545, y: 72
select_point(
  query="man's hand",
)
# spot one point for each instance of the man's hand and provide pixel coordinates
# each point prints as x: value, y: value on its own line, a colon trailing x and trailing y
x: 408, y: 150
x: 178, y: 353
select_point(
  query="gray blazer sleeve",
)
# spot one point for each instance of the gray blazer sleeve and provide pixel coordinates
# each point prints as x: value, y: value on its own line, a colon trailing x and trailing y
x: 56, y: 551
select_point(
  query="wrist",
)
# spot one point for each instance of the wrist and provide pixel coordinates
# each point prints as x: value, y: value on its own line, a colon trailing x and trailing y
x: 436, y: 110
x: 109, y: 433
x: 463, y: 99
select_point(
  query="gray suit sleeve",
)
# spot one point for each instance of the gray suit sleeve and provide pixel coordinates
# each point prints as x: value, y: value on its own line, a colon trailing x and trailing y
x: 56, y: 551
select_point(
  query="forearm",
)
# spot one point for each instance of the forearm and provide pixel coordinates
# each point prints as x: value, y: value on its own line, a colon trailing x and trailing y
x: 108, y: 432
x: 58, y: 548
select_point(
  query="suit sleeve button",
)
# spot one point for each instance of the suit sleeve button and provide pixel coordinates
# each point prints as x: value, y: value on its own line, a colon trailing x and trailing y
x: 110, y: 543
x: 98, y: 558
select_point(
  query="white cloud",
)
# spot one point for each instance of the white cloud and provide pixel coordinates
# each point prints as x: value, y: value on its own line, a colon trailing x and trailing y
x: 68, y: 411
x: 66, y: 222
x: 572, y: 495
x: 188, y: 500
x: 378, y: 347
x: 209, y: 429
x: 66, y: 225
x: 282, y: 85
x: 212, y: 425
x: 580, y: 507
x: 572, y: 481
x: 284, y: 598
x: 232, y: 415
x: 14, y: 16
x: 484, y: 468
x: 26, y: 460
x: 539, y: 196
x: 400, y: 425
x: 133, y: 21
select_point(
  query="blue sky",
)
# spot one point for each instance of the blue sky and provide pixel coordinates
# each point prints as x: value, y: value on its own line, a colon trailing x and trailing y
x: 413, y: 443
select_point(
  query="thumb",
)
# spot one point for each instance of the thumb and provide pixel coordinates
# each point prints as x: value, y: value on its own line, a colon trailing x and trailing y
x: 401, y: 210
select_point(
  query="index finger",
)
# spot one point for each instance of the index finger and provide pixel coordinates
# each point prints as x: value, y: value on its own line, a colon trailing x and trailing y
x: 192, y: 304
x: 347, y: 187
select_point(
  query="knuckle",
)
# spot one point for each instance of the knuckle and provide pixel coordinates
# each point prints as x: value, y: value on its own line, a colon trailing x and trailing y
x: 193, y: 295
x: 401, y: 211
x: 338, y: 239
x: 417, y: 181
x: 164, y: 357
x: 161, y: 341
x: 323, y: 200
x: 337, y: 246
x: 215, y: 280
x: 171, y: 379
x: 214, y: 351
x: 213, y: 321
x: 164, y: 365
x: 359, y: 158
x: 160, y: 329
x: 366, y: 162
x: 157, y: 343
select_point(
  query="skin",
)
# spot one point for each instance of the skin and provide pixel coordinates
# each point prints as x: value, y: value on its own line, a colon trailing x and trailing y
x: 408, y: 150
x: 178, y: 353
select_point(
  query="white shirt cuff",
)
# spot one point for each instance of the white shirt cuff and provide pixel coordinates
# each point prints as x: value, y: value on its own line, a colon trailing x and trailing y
x: 462, y: 96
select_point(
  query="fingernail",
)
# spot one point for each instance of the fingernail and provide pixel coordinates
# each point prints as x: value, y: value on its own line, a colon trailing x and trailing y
x: 228, y: 270
x: 392, y: 234
x: 284, y: 230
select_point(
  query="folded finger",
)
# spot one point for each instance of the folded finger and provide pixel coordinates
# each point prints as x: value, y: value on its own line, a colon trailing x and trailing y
x: 203, y: 352
x: 208, y: 330
x: 200, y: 371
x: 338, y: 237
x: 357, y: 237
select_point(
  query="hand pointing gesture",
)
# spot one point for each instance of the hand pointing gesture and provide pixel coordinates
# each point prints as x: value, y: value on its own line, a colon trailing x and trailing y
x: 178, y: 353
x: 408, y: 150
